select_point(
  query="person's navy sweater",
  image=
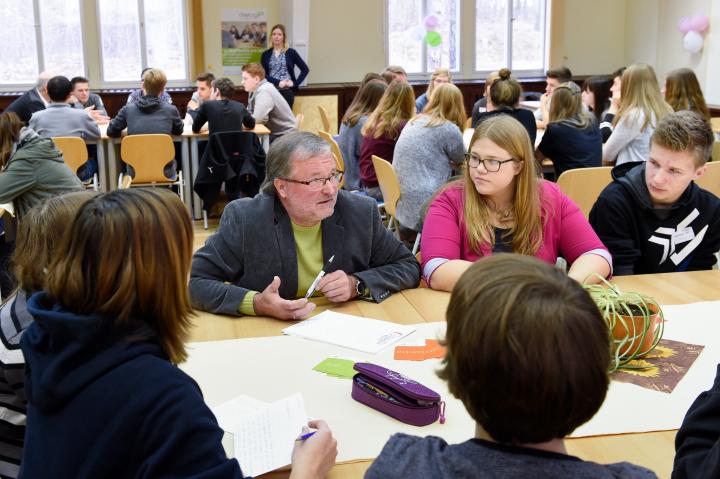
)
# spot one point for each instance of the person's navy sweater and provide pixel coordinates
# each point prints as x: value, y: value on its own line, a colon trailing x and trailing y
x: 643, y: 239
x: 108, y: 404
x: 697, y: 444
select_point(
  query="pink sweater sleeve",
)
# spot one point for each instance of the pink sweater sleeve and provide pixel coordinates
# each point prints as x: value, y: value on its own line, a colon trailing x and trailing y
x: 442, y: 234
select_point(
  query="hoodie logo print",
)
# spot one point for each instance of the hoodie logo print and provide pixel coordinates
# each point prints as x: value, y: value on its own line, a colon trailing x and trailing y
x: 668, y: 244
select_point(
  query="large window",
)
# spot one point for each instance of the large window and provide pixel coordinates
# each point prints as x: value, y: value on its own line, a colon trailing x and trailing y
x: 40, y: 35
x: 510, y: 33
x: 423, y: 35
x: 135, y: 34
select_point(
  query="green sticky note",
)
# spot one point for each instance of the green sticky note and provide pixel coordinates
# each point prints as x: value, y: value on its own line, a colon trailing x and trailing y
x: 341, y: 368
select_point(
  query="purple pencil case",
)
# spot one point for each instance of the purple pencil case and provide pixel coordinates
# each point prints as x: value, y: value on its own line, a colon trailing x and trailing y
x: 396, y: 395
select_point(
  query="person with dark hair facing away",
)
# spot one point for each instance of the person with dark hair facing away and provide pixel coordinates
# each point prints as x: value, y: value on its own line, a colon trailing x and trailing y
x: 504, y: 94
x: 109, y: 331
x: 697, y: 443
x: 528, y: 355
x: 553, y: 78
x: 572, y: 139
x: 653, y: 218
x: 350, y: 138
x: 83, y: 99
x: 222, y: 113
x: 203, y: 84
x: 280, y: 62
x: 149, y: 114
x: 38, y: 235
x: 596, y: 95
x: 682, y: 92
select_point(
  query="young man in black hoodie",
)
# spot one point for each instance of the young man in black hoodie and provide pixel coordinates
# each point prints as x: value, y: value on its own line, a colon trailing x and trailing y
x: 653, y: 218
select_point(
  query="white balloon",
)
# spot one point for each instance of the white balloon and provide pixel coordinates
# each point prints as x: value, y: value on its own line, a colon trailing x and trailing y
x: 693, y: 41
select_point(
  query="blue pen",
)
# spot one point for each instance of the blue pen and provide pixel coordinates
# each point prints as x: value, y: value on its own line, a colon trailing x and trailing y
x: 305, y: 436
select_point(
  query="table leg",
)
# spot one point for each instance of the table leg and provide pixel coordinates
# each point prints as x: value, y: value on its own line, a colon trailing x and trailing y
x: 195, y: 165
x: 265, y: 142
x: 112, y: 166
x: 185, y: 158
x: 102, y: 165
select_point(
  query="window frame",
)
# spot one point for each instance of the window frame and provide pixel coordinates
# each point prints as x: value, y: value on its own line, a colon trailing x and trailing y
x: 40, y: 56
x: 183, y: 82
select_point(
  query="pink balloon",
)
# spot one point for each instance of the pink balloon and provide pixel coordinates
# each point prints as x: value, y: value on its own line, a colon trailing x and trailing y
x: 684, y: 25
x: 431, y: 21
x: 699, y: 23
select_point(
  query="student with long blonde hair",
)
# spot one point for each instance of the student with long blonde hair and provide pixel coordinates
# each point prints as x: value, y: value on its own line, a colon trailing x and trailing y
x: 439, y: 76
x: 572, y: 138
x: 683, y: 92
x: 501, y: 205
x: 428, y: 150
x: 641, y: 107
x: 382, y: 130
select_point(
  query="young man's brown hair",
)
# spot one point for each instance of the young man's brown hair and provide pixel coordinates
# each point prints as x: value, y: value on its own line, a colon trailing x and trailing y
x: 254, y: 69
x: 206, y: 77
x: 561, y: 74
x: 154, y: 81
x: 142, y: 277
x: 527, y: 350
x: 685, y: 130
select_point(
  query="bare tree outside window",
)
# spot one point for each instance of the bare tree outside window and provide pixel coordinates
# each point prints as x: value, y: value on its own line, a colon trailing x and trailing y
x: 62, y: 43
x: 165, y: 37
x: 120, y: 40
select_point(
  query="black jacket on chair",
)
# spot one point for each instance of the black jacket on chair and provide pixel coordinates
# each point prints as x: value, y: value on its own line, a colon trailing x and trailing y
x: 222, y: 115
x: 235, y: 158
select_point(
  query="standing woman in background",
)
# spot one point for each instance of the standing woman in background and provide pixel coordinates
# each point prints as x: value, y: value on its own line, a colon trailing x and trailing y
x: 641, y: 107
x: 596, y: 95
x: 440, y: 76
x: 280, y: 61
x: 683, y: 92
x: 350, y: 138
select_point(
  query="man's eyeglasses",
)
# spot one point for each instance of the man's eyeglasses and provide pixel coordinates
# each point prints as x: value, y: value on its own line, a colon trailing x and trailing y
x: 491, y: 166
x: 317, y: 184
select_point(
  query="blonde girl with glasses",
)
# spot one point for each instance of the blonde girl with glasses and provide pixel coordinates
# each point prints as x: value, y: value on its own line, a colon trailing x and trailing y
x: 501, y: 205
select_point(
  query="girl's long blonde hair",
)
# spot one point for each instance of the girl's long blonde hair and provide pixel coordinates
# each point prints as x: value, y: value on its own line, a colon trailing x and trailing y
x: 440, y: 72
x: 397, y: 105
x: 640, y: 90
x: 527, y: 232
x: 446, y: 104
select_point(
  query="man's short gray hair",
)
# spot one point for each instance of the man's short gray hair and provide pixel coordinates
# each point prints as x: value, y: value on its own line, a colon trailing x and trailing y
x: 298, y: 145
x: 43, y: 79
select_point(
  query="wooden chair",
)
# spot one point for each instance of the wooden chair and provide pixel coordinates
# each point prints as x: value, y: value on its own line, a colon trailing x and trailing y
x: 583, y: 185
x: 299, y: 121
x: 324, y: 118
x: 75, y: 154
x: 715, y: 124
x: 148, y: 155
x: 390, y: 188
x: 711, y: 179
x: 339, y: 160
x: 715, y: 152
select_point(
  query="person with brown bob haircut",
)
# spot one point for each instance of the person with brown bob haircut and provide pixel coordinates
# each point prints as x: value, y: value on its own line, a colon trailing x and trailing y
x: 105, y: 397
x: 682, y: 92
x: 528, y: 355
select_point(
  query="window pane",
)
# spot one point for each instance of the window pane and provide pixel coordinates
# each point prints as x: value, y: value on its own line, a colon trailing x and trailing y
x: 62, y: 37
x: 120, y: 40
x: 405, y: 34
x: 528, y: 34
x: 18, y: 61
x: 491, y: 34
x: 446, y: 54
x: 165, y: 37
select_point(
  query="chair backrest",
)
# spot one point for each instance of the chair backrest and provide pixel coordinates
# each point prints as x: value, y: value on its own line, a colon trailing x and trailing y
x: 299, y: 121
x: 324, y: 118
x: 73, y: 149
x: 711, y: 179
x: 148, y: 154
x: 584, y: 185
x: 715, y: 152
x: 715, y: 123
x: 389, y: 184
x: 339, y: 160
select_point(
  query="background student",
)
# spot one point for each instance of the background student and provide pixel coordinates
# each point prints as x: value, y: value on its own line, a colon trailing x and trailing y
x: 527, y: 354
x: 280, y: 62
x: 596, y: 96
x: 682, y: 92
x: 103, y: 351
x: 439, y: 76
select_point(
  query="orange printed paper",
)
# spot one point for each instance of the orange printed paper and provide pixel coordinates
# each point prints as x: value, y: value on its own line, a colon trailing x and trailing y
x: 431, y: 350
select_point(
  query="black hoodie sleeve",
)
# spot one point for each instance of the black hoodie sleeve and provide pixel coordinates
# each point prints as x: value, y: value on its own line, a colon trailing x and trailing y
x: 612, y: 219
x: 697, y: 444
x: 118, y: 124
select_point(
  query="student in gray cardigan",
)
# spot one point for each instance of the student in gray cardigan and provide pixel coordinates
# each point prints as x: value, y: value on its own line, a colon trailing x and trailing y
x: 59, y: 118
x: 265, y: 102
x: 85, y: 99
x: 527, y: 354
x: 424, y: 159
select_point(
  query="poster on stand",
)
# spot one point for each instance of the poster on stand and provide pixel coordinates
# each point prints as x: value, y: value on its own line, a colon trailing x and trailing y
x: 243, y: 36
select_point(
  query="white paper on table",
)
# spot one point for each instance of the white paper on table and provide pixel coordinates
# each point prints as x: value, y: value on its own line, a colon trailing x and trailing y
x: 264, y: 440
x: 229, y: 414
x: 353, y: 332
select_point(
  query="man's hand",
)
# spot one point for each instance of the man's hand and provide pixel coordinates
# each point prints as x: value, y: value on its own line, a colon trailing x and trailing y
x: 338, y: 286
x: 96, y: 115
x: 269, y: 303
x: 315, y: 456
x: 193, y: 105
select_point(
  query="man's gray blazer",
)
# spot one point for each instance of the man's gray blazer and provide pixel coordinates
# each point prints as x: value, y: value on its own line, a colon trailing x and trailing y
x: 255, y: 242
